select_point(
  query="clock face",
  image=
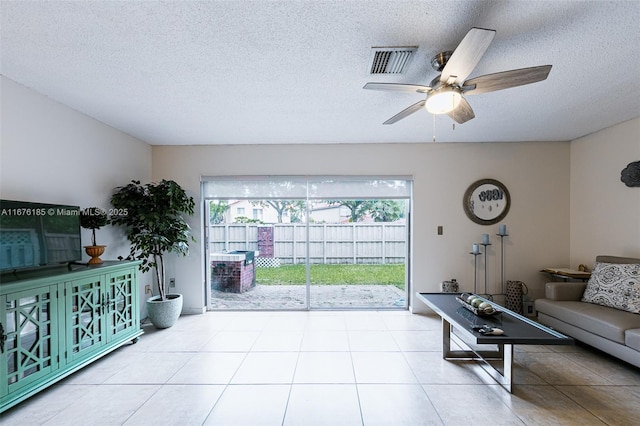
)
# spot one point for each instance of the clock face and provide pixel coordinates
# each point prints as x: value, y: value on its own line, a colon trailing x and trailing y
x: 486, y: 201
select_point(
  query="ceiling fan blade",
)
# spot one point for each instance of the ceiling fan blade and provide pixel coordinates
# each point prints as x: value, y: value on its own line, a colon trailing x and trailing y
x: 398, y: 87
x: 462, y: 113
x: 406, y: 112
x: 505, y: 79
x: 467, y: 55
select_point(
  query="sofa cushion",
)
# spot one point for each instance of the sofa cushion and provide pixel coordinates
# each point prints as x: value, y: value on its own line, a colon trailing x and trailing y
x: 633, y: 338
x: 564, y: 290
x: 614, y: 285
x: 605, y: 322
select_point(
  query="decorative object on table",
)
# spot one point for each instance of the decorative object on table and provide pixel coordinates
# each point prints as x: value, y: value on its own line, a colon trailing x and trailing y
x: 154, y: 223
x: 93, y: 218
x: 502, y: 232
x: 450, y: 286
x: 514, y: 292
x: 567, y: 273
x: 476, y: 304
x: 488, y: 330
x: 475, y: 251
x: 630, y: 175
x: 486, y: 202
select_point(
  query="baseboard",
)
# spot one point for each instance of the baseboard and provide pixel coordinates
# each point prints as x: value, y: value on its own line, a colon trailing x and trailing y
x: 193, y: 311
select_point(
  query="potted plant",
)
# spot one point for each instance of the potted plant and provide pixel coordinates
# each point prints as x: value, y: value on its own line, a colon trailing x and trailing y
x: 152, y: 215
x: 93, y: 218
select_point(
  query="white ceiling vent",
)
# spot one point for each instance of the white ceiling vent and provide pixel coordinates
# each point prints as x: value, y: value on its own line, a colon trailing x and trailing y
x: 391, y: 60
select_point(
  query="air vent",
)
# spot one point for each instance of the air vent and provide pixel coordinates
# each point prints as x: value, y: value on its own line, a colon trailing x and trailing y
x: 391, y: 60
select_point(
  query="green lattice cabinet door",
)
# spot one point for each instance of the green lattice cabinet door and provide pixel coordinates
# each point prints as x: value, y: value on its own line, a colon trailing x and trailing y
x: 122, y: 297
x: 29, y: 353
x: 85, y: 322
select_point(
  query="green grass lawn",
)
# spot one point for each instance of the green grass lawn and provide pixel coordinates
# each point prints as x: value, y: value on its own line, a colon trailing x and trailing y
x: 333, y: 275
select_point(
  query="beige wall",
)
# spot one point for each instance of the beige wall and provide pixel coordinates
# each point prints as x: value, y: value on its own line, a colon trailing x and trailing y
x: 53, y: 154
x: 535, y: 173
x: 605, y: 213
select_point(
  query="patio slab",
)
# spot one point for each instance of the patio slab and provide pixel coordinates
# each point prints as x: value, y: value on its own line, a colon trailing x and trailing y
x: 322, y: 297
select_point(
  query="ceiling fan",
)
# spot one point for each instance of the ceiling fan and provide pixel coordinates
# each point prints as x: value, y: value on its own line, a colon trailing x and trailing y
x: 445, y: 92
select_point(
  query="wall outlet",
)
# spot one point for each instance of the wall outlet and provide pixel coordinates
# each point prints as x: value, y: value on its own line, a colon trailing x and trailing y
x: 172, y: 282
x: 528, y: 307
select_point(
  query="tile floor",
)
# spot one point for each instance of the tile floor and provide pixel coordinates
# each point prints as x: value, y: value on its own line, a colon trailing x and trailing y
x: 328, y: 368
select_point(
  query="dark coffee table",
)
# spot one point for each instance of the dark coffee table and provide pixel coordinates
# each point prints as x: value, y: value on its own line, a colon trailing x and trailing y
x: 458, y: 323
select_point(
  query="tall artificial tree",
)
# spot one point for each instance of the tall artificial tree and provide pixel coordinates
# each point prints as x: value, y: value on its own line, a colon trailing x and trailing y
x: 152, y: 215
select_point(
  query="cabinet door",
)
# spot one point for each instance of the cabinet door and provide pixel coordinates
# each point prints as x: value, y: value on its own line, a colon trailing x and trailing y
x: 30, y: 351
x: 122, y: 298
x: 85, y: 323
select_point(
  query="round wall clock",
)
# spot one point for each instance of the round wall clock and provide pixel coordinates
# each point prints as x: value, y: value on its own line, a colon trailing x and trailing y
x: 486, y: 201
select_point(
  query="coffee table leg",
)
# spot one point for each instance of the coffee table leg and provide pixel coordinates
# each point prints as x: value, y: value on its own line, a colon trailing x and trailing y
x: 504, y: 377
x: 507, y: 373
x: 447, y: 352
x: 504, y: 353
x: 446, y: 339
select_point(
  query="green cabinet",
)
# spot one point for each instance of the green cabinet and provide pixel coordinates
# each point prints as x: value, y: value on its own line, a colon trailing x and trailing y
x: 29, y: 352
x: 84, y: 321
x: 121, y: 295
x: 55, y: 322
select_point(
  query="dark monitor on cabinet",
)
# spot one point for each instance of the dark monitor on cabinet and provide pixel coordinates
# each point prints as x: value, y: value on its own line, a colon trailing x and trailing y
x: 34, y: 235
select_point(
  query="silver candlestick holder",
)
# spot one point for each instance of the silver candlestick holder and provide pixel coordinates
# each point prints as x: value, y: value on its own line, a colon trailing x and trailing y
x: 475, y: 269
x: 502, y: 233
x: 486, y: 270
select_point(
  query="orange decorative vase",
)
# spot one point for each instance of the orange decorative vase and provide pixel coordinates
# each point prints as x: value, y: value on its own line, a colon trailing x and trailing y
x: 94, y: 252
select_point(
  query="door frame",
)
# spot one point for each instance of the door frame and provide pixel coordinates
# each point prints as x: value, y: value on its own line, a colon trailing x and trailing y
x: 259, y: 178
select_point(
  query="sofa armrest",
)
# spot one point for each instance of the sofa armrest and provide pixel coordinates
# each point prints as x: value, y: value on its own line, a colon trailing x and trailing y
x: 564, y: 290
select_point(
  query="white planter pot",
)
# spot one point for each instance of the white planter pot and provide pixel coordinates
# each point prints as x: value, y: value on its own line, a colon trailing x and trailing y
x: 164, y: 313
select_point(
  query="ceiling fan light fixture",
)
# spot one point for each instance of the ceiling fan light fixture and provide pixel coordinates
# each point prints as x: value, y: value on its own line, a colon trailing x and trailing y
x: 443, y: 100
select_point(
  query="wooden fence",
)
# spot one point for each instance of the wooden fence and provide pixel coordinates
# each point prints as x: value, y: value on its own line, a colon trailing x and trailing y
x: 353, y: 243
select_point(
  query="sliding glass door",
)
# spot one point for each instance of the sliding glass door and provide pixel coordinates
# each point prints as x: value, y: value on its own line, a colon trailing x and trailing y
x: 307, y: 243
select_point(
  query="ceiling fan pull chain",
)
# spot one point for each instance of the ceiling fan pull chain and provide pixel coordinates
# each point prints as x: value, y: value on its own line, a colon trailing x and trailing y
x: 453, y: 104
x: 434, y: 127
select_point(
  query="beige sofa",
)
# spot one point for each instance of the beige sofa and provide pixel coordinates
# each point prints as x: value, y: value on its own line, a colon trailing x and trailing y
x: 614, y: 331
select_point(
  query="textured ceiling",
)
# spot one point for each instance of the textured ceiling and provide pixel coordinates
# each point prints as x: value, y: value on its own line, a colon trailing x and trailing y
x: 238, y: 72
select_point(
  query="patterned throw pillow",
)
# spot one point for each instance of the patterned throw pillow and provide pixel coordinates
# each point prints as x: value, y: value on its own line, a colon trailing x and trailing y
x: 615, y: 285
